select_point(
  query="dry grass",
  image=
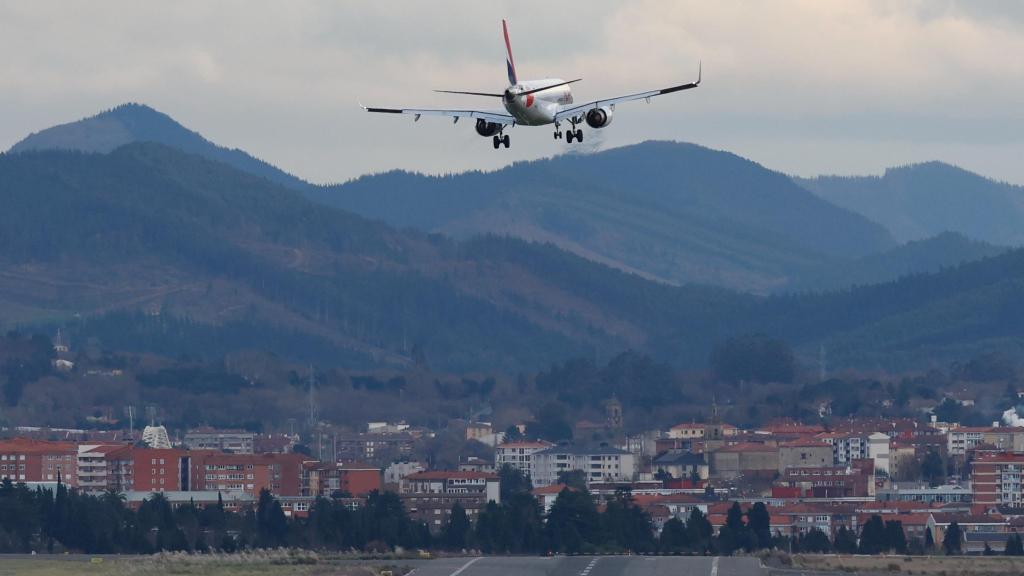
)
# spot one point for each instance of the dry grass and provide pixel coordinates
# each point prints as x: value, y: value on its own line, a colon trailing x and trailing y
x: 275, y: 562
x: 926, y: 565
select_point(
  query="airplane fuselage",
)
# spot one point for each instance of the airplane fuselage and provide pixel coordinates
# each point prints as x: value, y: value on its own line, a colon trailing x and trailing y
x: 538, y: 108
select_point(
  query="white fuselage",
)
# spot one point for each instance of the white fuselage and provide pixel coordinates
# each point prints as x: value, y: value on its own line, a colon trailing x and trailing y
x: 538, y: 108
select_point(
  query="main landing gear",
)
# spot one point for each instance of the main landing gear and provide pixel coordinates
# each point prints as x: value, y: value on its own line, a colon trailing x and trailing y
x: 499, y: 140
x: 572, y: 133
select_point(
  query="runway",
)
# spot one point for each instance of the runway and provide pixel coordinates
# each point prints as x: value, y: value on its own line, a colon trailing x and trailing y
x: 590, y: 566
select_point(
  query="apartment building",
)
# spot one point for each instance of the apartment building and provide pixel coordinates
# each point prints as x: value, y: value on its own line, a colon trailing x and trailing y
x: 430, y: 496
x: 519, y: 455
x: 598, y: 464
x: 25, y: 460
x: 234, y: 441
x: 330, y: 479
x: 996, y: 479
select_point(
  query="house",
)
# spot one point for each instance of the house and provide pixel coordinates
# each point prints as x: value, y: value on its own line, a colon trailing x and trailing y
x: 804, y: 453
x: 547, y: 495
x: 977, y: 529
x: 681, y: 464
x: 746, y: 458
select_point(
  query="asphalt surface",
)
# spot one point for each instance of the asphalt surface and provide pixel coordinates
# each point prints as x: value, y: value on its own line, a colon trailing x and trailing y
x: 591, y: 566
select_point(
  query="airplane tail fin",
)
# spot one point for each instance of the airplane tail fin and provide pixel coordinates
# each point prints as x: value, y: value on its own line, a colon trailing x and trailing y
x: 512, y: 80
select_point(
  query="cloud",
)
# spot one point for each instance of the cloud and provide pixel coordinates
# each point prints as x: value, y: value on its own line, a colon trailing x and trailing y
x: 848, y: 86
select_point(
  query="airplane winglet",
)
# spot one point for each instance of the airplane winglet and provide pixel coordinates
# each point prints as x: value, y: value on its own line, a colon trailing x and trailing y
x: 700, y: 65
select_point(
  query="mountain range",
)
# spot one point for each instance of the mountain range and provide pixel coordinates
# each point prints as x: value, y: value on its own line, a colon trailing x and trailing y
x: 151, y: 247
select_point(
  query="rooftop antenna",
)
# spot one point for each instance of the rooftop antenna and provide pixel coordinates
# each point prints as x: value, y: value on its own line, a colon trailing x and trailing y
x: 313, y: 417
x: 822, y: 363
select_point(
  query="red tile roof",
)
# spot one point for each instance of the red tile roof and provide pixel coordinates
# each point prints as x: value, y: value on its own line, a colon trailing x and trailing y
x: 30, y: 446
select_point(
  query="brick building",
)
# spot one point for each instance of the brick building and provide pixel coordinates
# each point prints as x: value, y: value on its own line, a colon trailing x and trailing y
x: 25, y: 460
x: 330, y: 479
x: 996, y: 479
x: 429, y: 496
x: 281, y: 474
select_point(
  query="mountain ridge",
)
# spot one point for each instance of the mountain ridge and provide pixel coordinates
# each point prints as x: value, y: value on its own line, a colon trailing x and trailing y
x: 920, y: 200
x: 675, y: 211
x: 133, y: 122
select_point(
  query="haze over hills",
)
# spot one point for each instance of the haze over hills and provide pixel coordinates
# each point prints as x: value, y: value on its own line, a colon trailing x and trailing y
x: 922, y: 200
x: 679, y: 213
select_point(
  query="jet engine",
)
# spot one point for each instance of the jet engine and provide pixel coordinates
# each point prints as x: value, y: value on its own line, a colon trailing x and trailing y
x: 599, y: 117
x: 485, y: 128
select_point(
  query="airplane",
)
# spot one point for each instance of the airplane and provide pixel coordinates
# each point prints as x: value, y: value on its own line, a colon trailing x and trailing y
x: 536, y: 103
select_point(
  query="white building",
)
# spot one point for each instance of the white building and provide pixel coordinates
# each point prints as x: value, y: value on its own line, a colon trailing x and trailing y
x: 846, y: 447
x: 519, y: 455
x: 234, y: 441
x: 878, y: 450
x: 156, y: 437
x: 394, y: 473
x: 599, y: 464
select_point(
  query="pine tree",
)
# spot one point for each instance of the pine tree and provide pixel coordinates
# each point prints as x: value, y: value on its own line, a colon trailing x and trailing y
x: 1014, y: 545
x: 673, y: 538
x: 759, y: 521
x: 896, y: 539
x: 873, y: 537
x: 951, y: 542
x: 699, y: 531
x: 456, y: 530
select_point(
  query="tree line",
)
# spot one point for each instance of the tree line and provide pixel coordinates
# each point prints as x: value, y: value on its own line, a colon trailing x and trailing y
x: 59, y: 520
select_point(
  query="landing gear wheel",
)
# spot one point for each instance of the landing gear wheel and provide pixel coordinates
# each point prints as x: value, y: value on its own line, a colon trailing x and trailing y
x: 497, y: 142
x: 507, y: 140
x: 568, y: 136
x: 556, y: 135
x: 579, y: 135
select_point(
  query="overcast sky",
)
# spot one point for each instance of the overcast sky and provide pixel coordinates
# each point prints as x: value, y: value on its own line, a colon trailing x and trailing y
x: 803, y: 86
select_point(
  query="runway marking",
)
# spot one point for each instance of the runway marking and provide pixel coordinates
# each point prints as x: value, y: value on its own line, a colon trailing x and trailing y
x: 466, y: 565
x: 586, y: 570
x: 714, y: 567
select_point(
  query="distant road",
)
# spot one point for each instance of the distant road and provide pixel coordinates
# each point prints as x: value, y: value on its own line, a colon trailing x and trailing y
x: 590, y: 566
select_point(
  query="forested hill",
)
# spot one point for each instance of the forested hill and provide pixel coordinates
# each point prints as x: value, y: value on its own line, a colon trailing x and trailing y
x: 676, y: 212
x: 946, y: 250
x: 922, y: 200
x: 150, y: 249
x: 130, y: 123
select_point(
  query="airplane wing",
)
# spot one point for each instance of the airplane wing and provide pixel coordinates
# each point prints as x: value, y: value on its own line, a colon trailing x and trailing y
x: 496, y: 117
x: 581, y: 109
